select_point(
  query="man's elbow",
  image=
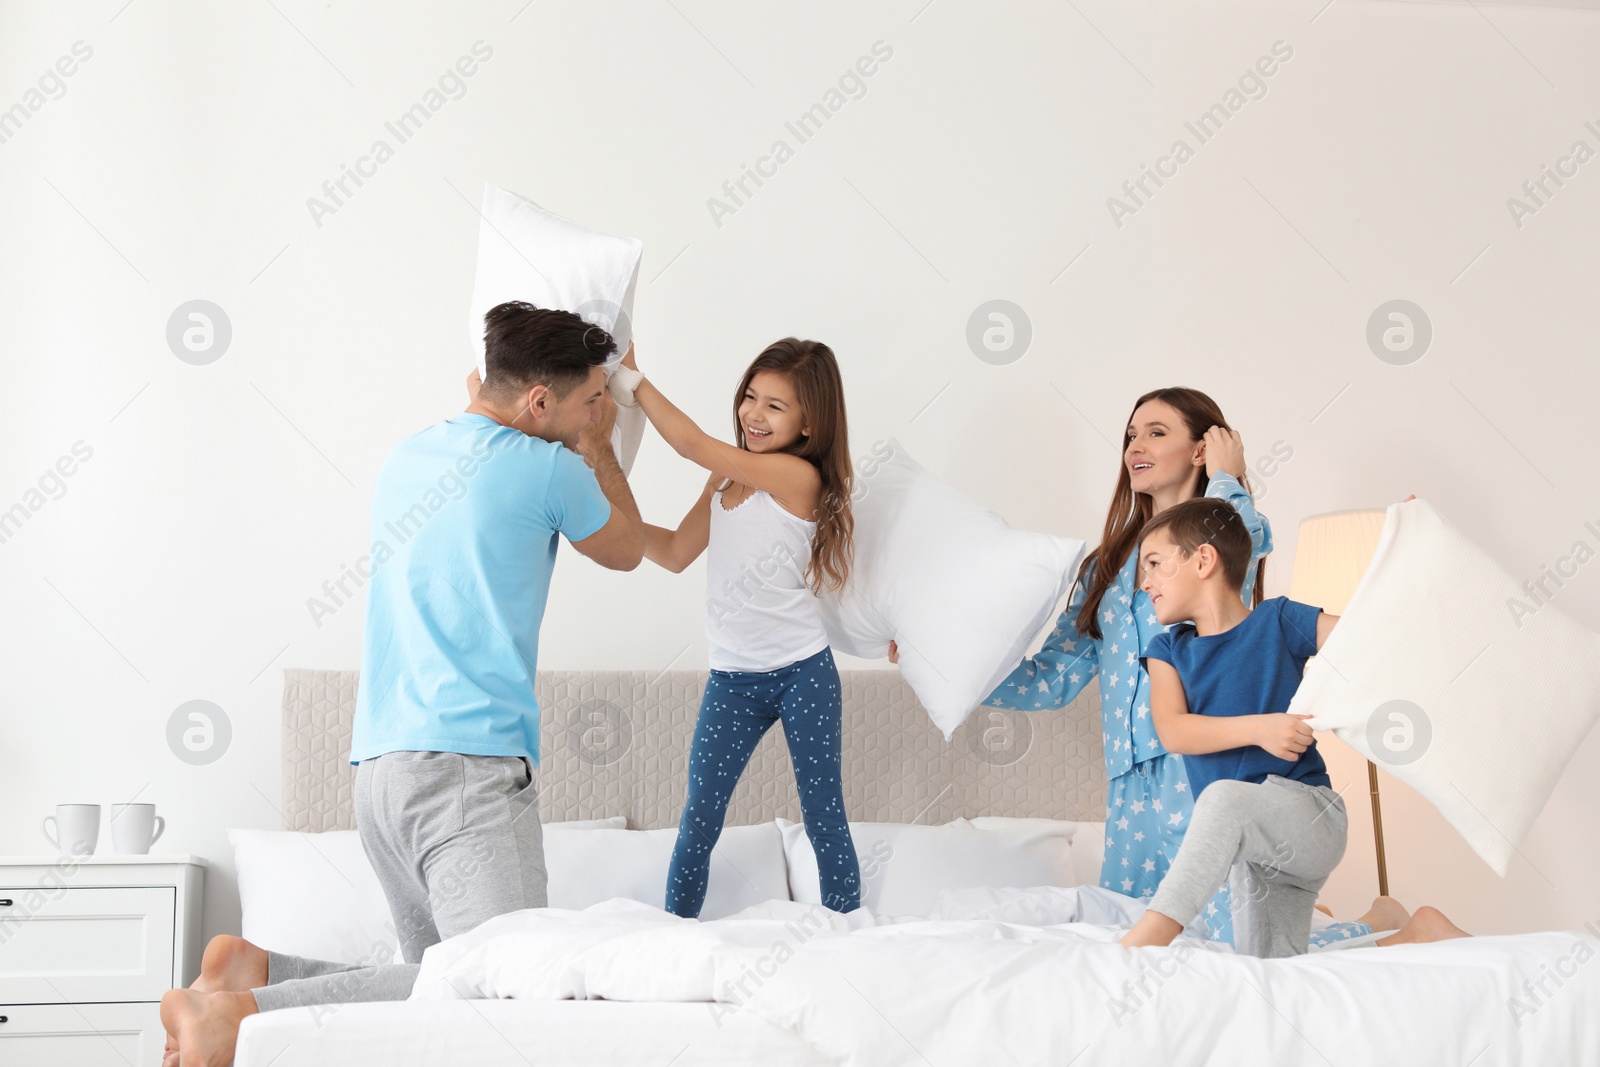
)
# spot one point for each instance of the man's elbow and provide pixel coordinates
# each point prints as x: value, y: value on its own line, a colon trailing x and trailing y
x: 630, y: 556
x: 636, y: 548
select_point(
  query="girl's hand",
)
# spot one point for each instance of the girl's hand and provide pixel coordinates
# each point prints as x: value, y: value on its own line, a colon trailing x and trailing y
x: 894, y: 652
x: 1223, y: 451
x: 474, y: 383
x: 1284, y: 736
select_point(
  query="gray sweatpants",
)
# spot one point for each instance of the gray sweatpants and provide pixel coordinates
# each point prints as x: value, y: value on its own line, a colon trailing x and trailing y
x: 455, y: 840
x: 1275, y: 843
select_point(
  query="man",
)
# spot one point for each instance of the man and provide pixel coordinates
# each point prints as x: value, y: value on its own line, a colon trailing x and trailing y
x: 446, y: 741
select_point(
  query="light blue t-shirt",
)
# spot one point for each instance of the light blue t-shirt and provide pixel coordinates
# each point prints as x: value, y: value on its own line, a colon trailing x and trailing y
x: 464, y: 522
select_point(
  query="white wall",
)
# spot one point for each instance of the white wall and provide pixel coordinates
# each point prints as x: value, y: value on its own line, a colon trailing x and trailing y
x: 178, y: 163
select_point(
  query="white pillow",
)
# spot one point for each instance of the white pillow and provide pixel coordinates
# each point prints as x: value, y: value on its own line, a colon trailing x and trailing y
x: 747, y: 868
x: 1446, y: 674
x: 312, y: 895
x: 1088, y: 851
x: 904, y: 867
x: 316, y: 895
x: 961, y: 592
x: 528, y: 253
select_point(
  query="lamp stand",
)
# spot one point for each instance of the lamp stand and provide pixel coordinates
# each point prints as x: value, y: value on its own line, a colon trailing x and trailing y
x: 1377, y: 828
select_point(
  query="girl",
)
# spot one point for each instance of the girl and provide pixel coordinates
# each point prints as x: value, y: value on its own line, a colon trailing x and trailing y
x: 775, y: 515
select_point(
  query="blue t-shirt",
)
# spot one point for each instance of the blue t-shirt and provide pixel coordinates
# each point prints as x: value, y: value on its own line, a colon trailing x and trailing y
x: 1252, y: 669
x: 464, y: 522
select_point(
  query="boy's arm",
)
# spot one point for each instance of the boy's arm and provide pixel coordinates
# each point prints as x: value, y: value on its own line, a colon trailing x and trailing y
x: 1285, y: 736
x: 1325, y: 625
x: 1186, y: 734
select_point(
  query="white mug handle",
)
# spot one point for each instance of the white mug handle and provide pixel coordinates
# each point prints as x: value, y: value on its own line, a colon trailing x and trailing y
x: 161, y: 828
x: 44, y: 828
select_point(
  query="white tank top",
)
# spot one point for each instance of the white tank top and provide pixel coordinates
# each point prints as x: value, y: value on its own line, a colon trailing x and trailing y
x: 760, y: 614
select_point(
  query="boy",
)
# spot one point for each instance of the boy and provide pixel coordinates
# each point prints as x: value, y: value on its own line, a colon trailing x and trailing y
x: 1265, y: 811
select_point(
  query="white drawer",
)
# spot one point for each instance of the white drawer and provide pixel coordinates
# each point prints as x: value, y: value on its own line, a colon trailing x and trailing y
x: 82, y: 944
x: 81, y: 1035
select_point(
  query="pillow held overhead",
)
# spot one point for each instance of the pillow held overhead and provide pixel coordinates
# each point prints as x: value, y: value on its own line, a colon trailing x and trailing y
x: 528, y: 253
x: 1443, y: 673
x: 960, y: 592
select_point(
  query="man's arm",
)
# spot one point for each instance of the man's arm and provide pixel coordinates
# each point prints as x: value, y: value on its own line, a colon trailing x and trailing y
x: 1285, y: 736
x: 619, y: 544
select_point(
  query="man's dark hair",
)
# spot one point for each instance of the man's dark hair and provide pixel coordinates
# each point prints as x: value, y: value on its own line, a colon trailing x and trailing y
x: 527, y: 346
x: 1205, y: 520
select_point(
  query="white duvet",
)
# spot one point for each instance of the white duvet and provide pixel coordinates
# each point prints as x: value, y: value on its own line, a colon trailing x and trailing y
x: 1035, y: 977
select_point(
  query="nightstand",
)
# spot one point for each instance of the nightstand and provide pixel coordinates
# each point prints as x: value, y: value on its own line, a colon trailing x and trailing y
x: 87, y: 947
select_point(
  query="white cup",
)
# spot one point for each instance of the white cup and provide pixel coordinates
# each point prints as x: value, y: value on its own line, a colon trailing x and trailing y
x: 77, y: 828
x: 135, y: 827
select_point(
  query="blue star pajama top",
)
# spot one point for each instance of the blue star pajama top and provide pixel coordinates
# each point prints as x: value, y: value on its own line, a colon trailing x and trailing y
x: 1148, y: 802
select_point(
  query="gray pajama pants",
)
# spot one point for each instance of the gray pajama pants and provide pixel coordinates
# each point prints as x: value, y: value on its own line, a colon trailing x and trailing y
x: 1275, y: 843
x: 455, y: 840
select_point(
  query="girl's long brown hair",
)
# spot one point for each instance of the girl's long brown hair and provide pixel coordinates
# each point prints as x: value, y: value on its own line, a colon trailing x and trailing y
x: 811, y: 369
x: 1130, y: 511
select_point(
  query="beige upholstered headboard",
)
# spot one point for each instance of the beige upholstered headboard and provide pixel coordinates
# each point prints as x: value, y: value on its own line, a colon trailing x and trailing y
x: 617, y: 743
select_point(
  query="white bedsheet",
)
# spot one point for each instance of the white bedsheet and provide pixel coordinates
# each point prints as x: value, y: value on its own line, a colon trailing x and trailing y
x: 516, y: 1033
x: 1033, y: 976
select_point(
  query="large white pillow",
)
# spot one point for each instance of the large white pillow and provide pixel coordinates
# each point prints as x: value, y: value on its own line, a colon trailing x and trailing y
x: 904, y: 866
x: 528, y: 253
x: 316, y: 895
x: 960, y: 592
x: 747, y: 868
x: 1444, y: 672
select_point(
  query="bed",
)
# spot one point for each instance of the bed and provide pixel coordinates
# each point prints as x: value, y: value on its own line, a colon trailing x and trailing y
x: 989, y: 974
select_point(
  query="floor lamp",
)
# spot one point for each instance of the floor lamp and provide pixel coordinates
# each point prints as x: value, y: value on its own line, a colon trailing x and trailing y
x: 1330, y: 557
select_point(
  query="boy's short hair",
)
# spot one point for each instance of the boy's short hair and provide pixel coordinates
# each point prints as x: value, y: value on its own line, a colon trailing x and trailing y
x: 1207, y: 521
x: 526, y: 346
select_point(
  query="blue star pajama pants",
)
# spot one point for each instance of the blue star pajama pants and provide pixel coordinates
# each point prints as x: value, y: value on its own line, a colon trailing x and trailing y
x: 1147, y: 811
x: 737, y: 710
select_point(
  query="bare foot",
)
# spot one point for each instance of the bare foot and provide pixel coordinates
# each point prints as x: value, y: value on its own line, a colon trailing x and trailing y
x: 1427, y: 925
x: 233, y: 965
x: 1386, y: 913
x: 206, y: 1024
x: 230, y: 965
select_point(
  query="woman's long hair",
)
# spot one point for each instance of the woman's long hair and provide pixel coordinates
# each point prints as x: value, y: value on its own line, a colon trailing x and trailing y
x: 814, y: 373
x: 1130, y: 511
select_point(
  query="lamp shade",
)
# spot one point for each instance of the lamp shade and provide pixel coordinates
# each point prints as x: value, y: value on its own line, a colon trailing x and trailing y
x: 1332, y: 554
